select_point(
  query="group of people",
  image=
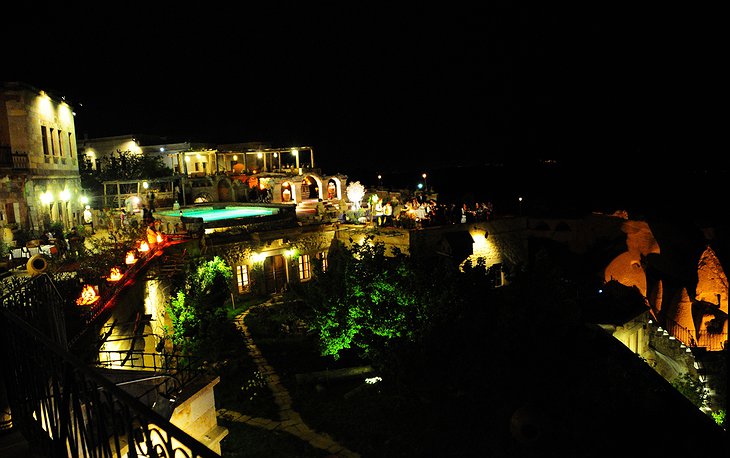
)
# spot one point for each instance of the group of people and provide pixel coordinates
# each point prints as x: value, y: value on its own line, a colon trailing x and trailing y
x: 414, y: 213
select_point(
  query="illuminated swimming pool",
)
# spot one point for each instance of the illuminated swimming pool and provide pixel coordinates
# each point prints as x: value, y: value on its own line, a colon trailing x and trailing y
x: 210, y: 214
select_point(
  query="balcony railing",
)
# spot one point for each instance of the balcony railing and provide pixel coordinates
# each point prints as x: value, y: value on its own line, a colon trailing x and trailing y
x: 65, y: 409
x: 15, y: 160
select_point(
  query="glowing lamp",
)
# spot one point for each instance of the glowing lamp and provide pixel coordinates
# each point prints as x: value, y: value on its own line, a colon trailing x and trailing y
x: 88, y: 296
x: 144, y: 246
x: 159, y: 238
x: 115, y: 274
x: 131, y: 258
x: 46, y: 198
x: 258, y: 257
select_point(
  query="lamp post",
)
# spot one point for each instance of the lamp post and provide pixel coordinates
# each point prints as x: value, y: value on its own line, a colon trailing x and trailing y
x: 519, y: 199
x: 380, y: 180
x: 425, y: 183
x: 295, y: 153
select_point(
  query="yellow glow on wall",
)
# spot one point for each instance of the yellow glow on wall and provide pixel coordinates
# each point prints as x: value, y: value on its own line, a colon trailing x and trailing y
x: 64, y: 115
x: 484, y: 247
x: 132, y: 147
x: 258, y: 257
x: 45, y: 106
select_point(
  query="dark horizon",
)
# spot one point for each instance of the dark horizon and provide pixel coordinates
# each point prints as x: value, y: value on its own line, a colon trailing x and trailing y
x: 397, y: 89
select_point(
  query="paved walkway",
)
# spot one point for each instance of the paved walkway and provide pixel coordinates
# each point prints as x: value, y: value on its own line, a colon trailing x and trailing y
x: 289, y: 420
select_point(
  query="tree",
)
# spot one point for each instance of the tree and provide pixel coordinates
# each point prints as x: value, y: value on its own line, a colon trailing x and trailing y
x: 376, y: 303
x: 123, y: 165
x: 197, y: 311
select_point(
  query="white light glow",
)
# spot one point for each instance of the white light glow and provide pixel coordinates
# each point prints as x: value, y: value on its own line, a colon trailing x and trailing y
x: 65, y: 195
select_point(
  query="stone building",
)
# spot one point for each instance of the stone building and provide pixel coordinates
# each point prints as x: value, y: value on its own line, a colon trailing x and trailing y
x: 39, y: 169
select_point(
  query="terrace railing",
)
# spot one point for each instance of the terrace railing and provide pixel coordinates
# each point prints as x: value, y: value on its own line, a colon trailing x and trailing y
x: 64, y: 408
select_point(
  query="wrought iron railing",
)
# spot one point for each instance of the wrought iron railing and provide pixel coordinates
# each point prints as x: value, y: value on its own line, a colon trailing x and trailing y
x: 64, y: 408
x: 36, y: 300
x: 705, y: 339
x: 179, y: 369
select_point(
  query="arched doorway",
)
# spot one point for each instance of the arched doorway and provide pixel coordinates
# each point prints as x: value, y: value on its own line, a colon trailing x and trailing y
x: 224, y: 191
x: 275, y: 274
x: 311, y: 188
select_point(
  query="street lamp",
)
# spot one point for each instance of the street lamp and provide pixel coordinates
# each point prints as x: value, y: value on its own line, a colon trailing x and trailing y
x: 380, y: 180
x: 425, y: 185
x: 520, y: 200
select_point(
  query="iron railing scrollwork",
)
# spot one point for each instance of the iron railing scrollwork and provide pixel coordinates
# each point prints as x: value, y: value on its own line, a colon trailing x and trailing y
x: 66, y: 409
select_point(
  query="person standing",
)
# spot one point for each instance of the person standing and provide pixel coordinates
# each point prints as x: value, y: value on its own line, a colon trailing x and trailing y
x: 388, y: 214
x: 379, y: 212
x: 89, y: 219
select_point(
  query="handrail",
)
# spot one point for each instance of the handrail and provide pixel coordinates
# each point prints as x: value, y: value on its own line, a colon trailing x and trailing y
x: 67, y: 409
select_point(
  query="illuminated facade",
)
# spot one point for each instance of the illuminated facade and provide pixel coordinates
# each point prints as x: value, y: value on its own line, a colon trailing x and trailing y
x: 39, y: 167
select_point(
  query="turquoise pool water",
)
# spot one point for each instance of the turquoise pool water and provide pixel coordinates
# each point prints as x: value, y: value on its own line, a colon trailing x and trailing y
x: 217, y: 214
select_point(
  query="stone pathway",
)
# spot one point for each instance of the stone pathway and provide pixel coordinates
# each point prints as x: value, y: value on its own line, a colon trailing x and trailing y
x: 289, y: 420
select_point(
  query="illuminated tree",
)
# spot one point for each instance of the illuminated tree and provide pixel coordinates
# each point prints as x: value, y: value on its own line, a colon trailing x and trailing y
x: 355, y: 192
x: 373, y: 303
x: 198, y: 311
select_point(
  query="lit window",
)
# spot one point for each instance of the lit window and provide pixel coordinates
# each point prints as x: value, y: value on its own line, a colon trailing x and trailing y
x: 242, y: 279
x: 305, y: 270
x: 322, y: 256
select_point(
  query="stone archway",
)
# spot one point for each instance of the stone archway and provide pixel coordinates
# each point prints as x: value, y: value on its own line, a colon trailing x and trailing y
x: 224, y: 190
x: 311, y: 188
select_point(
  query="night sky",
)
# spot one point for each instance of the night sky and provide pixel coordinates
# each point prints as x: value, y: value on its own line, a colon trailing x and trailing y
x: 377, y: 87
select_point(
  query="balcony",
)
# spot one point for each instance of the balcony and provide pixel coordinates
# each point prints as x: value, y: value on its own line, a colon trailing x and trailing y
x: 13, y: 160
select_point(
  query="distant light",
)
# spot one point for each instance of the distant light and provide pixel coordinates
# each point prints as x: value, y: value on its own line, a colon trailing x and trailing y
x: 380, y: 177
x: 520, y: 199
x: 187, y: 158
x: 162, y: 149
x: 600, y: 291
x: 65, y: 195
x: 294, y: 152
x: 424, y: 176
x: 276, y: 154
x: 73, y: 113
x: 145, y: 185
x: 373, y: 380
x: 84, y: 200
x: 198, y: 156
x: 259, y: 155
x: 258, y: 257
x: 420, y: 185
x: 289, y: 253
